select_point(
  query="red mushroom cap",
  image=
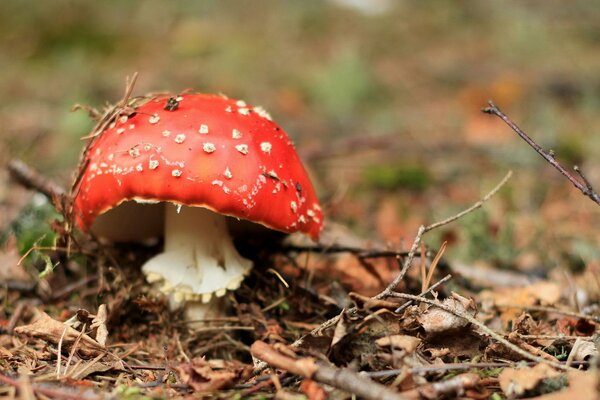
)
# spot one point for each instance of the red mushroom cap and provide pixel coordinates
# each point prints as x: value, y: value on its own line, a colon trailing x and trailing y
x: 200, y: 150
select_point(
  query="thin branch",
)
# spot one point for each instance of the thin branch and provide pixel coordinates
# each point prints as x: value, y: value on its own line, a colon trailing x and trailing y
x: 333, y: 249
x: 431, y: 289
x: 551, y: 310
x: 585, y: 188
x: 341, y: 378
x: 32, y: 179
x: 424, y: 229
x: 453, y: 367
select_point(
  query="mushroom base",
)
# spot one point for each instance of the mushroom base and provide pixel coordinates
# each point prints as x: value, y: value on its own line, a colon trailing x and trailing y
x: 199, y: 262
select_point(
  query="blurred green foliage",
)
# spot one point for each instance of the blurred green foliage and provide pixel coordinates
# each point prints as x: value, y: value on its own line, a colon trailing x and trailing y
x: 483, y: 239
x: 397, y: 176
x: 32, y: 227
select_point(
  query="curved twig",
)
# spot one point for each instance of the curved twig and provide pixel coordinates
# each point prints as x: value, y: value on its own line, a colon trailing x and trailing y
x: 585, y: 187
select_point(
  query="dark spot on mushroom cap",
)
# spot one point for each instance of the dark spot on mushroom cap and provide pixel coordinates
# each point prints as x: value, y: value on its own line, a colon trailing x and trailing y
x: 172, y: 104
x: 298, y: 187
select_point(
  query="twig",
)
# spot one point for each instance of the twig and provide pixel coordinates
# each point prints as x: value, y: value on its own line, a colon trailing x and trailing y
x: 261, y: 385
x: 438, y: 390
x: 554, y: 337
x: 424, y: 229
x: 333, y: 249
x: 59, y: 352
x: 16, y: 315
x: 74, y: 348
x: 454, y: 367
x: 431, y: 289
x: 551, y: 310
x: 343, y: 379
x: 32, y: 179
x: 484, y: 329
x: 585, y: 187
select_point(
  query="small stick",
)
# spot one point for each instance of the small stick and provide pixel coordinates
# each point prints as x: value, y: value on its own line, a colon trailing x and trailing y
x: 357, y: 251
x: 424, y: 229
x: 551, y: 310
x: 32, y: 179
x: 585, y: 187
x: 454, y: 367
x: 448, y: 388
x: 431, y: 289
x: 344, y: 378
x: 74, y: 349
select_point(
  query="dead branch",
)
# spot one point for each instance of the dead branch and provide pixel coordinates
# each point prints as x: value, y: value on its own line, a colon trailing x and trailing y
x: 466, y: 366
x: 551, y: 310
x: 32, y: 179
x: 343, y: 379
x: 425, y: 292
x: 424, y: 229
x: 585, y: 187
x: 451, y: 387
x: 334, y: 249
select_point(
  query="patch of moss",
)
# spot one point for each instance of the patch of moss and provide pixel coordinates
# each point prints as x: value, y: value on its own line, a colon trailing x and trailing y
x: 32, y: 227
x: 397, y: 176
x: 569, y: 150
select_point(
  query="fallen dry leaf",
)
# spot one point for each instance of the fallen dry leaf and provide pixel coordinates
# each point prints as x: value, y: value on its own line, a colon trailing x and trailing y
x: 582, y: 350
x: 515, y: 382
x: 209, y: 376
x: 99, y: 324
x: 46, y: 328
x: 313, y: 390
x: 582, y: 386
x: 404, y: 342
x: 545, y: 293
x: 436, y: 320
x: 575, y: 326
x: 92, y: 366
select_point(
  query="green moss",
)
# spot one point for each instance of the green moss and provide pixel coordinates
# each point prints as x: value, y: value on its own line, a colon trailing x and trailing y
x: 569, y: 150
x: 32, y: 227
x: 399, y: 176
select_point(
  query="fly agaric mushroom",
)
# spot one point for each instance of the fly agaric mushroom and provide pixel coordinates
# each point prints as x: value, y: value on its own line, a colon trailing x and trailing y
x: 195, y: 159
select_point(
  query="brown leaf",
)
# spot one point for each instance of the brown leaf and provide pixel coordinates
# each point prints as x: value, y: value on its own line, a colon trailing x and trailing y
x: 515, y: 382
x: 210, y: 376
x: 404, y: 342
x: 92, y: 366
x: 46, y: 328
x: 312, y: 390
x: 582, y: 350
x: 436, y: 320
x: 575, y: 326
x: 99, y: 323
x: 582, y: 386
x: 340, y: 331
x: 544, y: 292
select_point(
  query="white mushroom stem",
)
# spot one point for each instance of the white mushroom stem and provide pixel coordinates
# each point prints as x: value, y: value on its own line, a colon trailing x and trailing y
x: 199, y: 262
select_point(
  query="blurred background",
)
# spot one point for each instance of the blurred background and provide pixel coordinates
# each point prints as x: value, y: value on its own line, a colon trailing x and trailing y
x: 382, y: 98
